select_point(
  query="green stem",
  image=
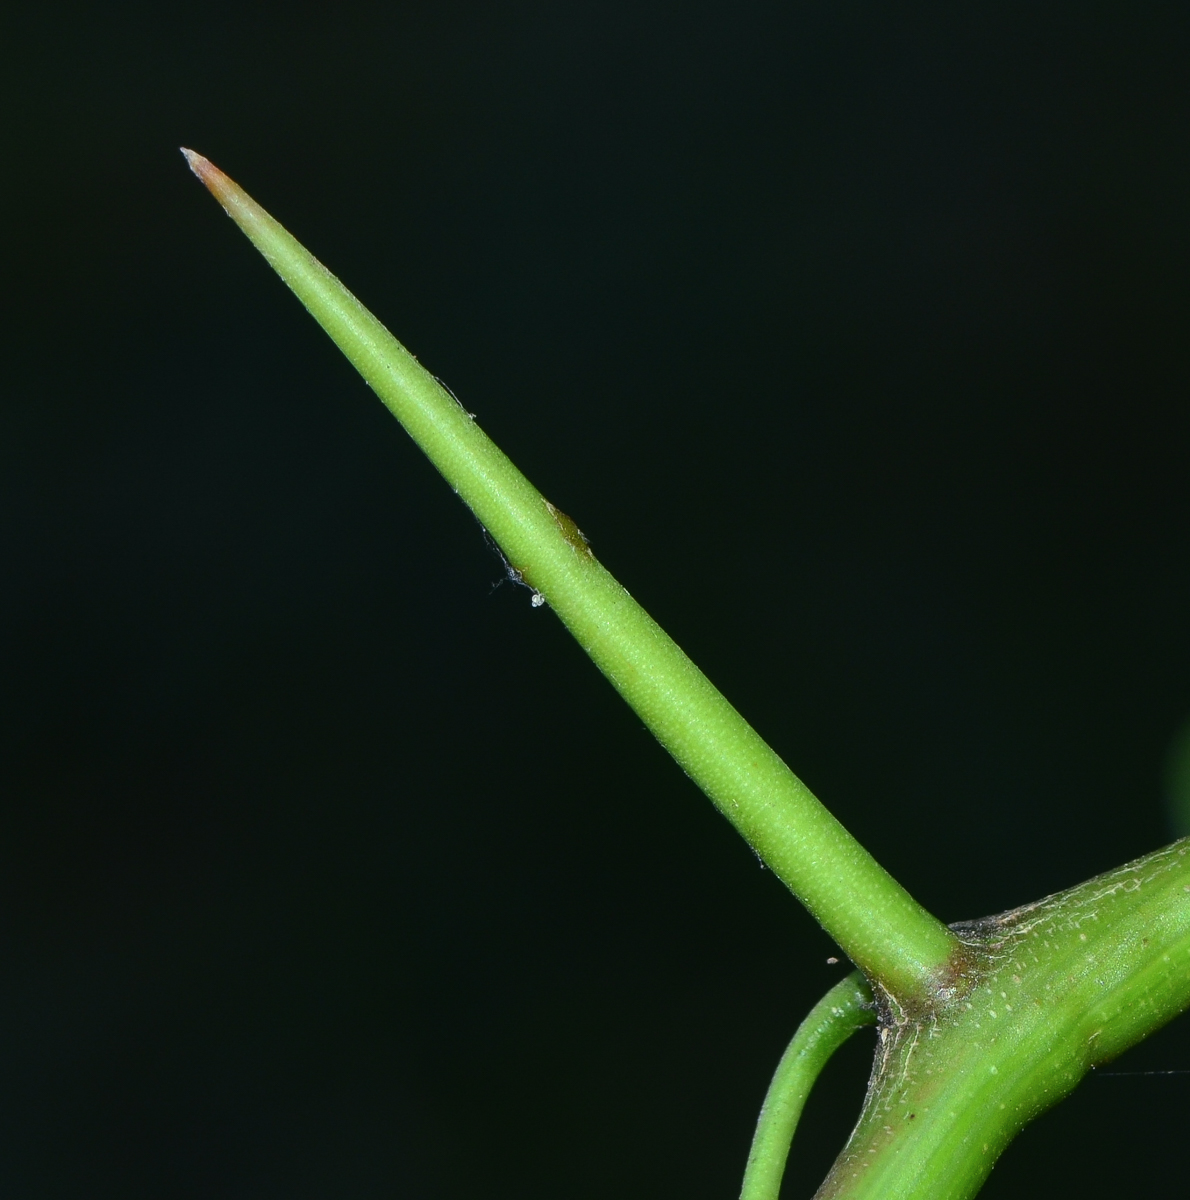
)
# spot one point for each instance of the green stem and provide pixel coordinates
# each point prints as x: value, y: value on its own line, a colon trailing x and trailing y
x: 1054, y: 988
x: 876, y: 922
x: 845, y: 1008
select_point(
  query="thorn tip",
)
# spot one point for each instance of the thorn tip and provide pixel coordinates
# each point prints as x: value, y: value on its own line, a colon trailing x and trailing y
x: 214, y: 179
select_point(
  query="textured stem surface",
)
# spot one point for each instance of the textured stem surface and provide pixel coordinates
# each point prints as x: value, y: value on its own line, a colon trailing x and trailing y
x: 1054, y: 988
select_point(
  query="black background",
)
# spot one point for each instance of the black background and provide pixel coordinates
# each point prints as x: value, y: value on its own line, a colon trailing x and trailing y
x: 853, y: 336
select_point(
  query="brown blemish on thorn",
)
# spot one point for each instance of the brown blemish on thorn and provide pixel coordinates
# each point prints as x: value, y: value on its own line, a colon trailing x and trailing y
x: 570, y: 531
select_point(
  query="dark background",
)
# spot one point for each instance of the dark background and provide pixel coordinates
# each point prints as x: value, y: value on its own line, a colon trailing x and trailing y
x: 854, y: 337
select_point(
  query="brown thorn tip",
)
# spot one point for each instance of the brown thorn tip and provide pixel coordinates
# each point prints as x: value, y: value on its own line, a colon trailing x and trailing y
x: 196, y: 161
x: 214, y: 179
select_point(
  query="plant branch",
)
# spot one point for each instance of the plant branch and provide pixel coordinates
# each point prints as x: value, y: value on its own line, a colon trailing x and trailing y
x: 877, y: 923
x: 848, y: 1006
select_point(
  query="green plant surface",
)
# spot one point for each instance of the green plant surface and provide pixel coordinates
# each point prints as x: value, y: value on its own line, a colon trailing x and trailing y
x: 1055, y: 988
x: 983, y: 1025
x: 848, y: 1006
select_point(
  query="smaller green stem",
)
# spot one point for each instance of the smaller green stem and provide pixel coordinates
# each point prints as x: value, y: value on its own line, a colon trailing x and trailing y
x: 845, y: 1008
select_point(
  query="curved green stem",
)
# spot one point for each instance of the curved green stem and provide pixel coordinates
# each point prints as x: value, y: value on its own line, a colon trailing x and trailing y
x: 879, y: 925
x: 845, y: 1008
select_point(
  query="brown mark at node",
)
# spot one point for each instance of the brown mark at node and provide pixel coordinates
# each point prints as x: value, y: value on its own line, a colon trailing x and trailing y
x: 574, y: 536
x: 948, y: 986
